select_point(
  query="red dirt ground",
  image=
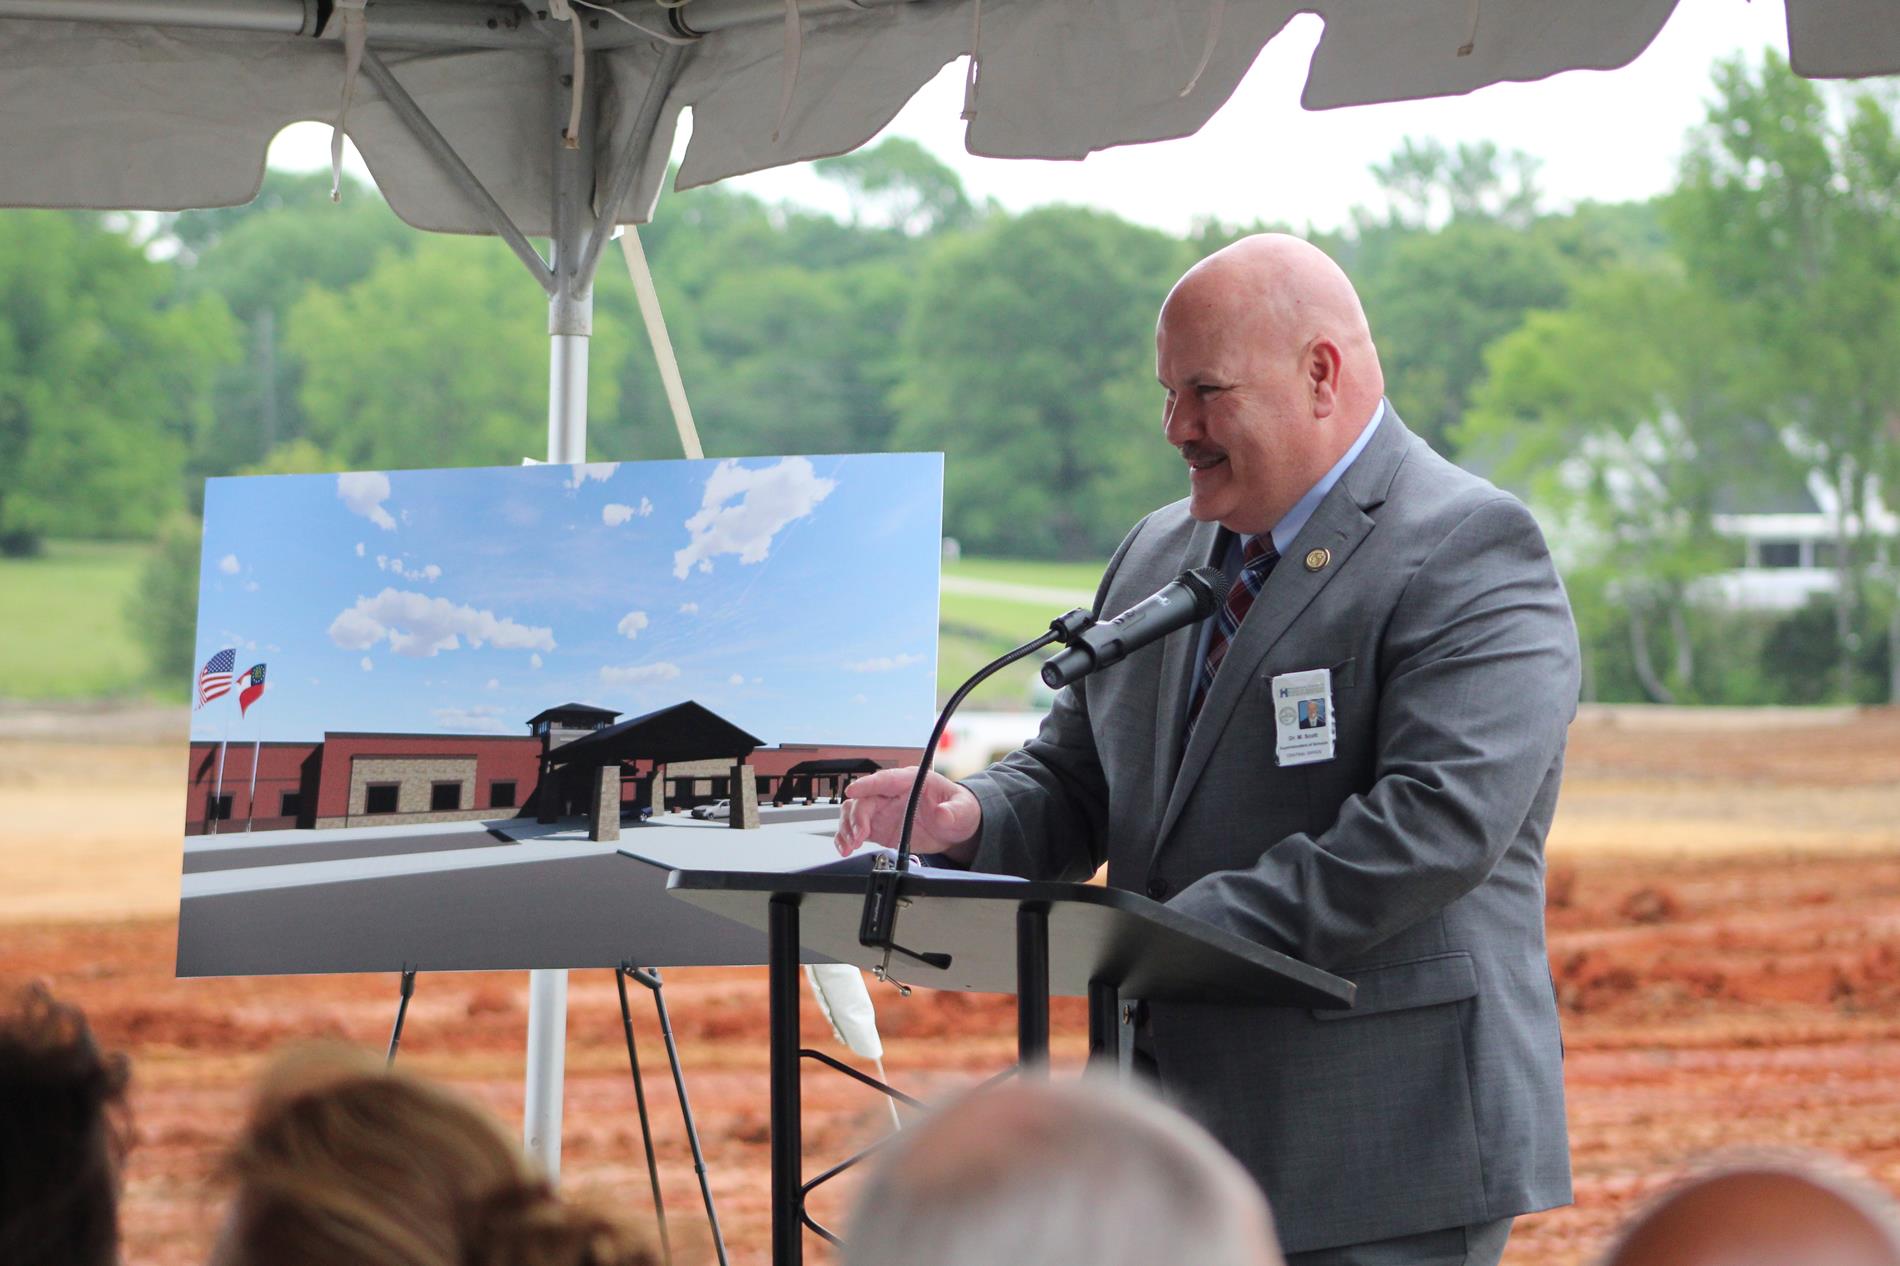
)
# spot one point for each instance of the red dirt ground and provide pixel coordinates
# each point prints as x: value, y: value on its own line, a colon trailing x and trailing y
x: 1725, y: 937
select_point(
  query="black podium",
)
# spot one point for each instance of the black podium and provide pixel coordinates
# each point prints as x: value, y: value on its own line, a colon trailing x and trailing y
x: 1000, y: 935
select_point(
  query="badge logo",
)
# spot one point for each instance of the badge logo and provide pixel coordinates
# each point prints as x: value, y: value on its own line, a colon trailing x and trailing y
x: 1286, y: 716
x: 1318, y: 558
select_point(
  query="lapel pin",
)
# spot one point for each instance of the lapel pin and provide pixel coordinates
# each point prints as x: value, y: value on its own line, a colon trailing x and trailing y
x: 1318, y: 558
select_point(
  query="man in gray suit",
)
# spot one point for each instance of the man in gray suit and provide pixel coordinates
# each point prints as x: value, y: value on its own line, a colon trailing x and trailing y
x: 1401, y: 847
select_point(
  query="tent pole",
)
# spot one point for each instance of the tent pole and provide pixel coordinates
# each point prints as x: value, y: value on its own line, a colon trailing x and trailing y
x: 570, y: 323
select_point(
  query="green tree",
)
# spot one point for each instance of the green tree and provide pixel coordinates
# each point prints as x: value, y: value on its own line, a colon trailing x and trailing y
x: 103, y: 382
x: 436, y: 358
x: 1425, y: 183
x: 783, y: 322
x: 790, y: 342
x: 298, y: 457
x: 898, y: 184
x: 1438, y: 299
x: 163, y: 610
x: 1626, y: 415
x: 1462, y: 253
x: 260, y: 259
x: 1028, y: 357
x: 1786, y: 213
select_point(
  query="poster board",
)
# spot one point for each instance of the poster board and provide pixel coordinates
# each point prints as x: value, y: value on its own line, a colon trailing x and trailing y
x: 430, y: 706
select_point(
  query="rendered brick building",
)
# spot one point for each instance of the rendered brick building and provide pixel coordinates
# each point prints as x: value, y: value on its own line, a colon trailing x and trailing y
x: 356, y: 778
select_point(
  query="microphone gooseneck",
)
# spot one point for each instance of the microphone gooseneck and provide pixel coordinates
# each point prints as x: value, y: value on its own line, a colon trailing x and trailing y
x: 877, y: 924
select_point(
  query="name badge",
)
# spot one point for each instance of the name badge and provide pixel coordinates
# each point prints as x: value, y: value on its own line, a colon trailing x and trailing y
x: 1303, y: 717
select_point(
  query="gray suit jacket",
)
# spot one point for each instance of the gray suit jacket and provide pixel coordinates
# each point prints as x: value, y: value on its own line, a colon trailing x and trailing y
x: 1412, y: 863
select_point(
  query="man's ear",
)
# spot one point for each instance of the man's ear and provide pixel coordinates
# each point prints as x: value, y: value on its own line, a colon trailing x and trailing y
x: 1322, y: 376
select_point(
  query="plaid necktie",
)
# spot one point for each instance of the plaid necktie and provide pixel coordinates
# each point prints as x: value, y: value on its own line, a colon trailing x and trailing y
x: 1256, y: 561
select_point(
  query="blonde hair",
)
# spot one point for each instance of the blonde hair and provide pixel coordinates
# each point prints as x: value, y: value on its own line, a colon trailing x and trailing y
x: 342, y: 1161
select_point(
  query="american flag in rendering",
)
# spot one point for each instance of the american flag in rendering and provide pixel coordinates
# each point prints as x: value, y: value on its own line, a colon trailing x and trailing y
x: 214, y: 679
x: 252, y: 679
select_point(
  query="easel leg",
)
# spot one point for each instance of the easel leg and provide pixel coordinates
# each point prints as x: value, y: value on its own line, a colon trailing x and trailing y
x: 651, y: 979
x: 640, y: 1103
x: 408, y: 990
x: 788, y: 1246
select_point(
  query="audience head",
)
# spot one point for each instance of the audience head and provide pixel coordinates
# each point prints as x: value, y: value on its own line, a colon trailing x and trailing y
x: 1048, y: 1174
x: 63, y: 1133
x: 343, y: 1161
x: 1773, y: 1213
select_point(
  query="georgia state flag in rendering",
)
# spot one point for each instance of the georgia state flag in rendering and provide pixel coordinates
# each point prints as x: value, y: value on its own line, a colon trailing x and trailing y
x: 253, y: 680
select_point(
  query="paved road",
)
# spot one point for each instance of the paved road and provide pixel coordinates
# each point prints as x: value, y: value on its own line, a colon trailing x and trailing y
x: 291, y: 850
x: 464, y: 899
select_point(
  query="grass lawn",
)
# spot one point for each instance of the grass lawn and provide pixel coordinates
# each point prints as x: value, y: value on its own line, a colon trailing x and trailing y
x: 1022, y: 571
x: 63, y: 629
x: 961, y: 652
x: 974, y: 629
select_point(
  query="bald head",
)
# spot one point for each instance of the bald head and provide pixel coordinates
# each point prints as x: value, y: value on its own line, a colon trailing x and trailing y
x: 1288, y: 291
x: 1059, y: 1174
x: 1271, y: 375
x: 1778, y: 1214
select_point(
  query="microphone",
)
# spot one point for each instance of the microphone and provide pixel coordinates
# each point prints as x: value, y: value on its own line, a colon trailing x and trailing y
x: 1187, y: 599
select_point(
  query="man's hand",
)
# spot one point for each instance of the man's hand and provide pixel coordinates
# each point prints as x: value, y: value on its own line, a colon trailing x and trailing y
x: 948, y: 816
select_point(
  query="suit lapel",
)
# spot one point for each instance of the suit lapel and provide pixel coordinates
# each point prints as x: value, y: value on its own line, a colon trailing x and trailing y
x: 1339, y: 525
x: 1178, y: 668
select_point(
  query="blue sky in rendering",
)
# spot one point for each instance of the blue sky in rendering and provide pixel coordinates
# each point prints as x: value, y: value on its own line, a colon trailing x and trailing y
x: 794, y: 596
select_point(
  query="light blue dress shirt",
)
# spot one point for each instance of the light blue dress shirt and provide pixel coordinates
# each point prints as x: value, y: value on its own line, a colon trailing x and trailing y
x: 1287, y: 528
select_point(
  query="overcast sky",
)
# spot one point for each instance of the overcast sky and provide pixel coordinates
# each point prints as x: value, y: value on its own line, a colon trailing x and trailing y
x: 1606, y: 135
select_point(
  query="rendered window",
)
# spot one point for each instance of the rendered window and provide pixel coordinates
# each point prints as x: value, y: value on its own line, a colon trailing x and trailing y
x: 501, y: 795
x: 221, y: 808
x: 445, y: 797
x: 290, y: 804
x: 379, y: 797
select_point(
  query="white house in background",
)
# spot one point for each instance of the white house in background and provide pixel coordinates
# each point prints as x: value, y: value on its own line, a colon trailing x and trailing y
x: 1788, y: 546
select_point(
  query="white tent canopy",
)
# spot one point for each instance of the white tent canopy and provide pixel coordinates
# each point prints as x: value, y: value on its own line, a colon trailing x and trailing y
x: 166, y: 104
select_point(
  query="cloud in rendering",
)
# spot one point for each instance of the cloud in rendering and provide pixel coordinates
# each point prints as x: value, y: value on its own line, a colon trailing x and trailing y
x: 743, y: 508
x: 420, y: 626
x: 364, y: 492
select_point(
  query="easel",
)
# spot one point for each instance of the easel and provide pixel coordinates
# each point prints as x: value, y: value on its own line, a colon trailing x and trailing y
x: 650, y: 980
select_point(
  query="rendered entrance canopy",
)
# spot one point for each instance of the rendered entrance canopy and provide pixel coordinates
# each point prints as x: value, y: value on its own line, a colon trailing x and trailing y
x: 429, y: 706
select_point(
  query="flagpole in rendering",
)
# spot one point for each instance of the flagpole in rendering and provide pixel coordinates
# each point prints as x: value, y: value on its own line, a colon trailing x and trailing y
x: 250, y: 811
x: 217, y: 792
